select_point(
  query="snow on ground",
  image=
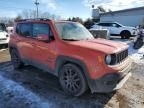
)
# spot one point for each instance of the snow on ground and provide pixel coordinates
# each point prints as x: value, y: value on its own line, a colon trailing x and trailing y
x: 17, y: 95
x: 136, y: 55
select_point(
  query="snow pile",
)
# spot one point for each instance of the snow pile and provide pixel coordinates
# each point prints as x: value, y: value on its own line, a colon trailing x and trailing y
x: 136, y: 55
x: 17, y: 95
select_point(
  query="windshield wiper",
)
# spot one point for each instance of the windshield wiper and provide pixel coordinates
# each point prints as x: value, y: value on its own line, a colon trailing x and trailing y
x: 70, y: 39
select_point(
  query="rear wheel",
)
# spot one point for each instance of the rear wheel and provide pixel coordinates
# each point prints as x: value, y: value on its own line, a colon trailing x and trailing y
x: 72, y: 80
x: 15, y: 58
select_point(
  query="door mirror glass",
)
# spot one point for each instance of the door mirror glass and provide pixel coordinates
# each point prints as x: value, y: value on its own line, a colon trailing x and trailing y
x: 43, y: 37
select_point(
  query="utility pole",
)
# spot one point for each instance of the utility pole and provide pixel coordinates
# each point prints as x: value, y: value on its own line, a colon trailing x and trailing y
x: 37, y: 4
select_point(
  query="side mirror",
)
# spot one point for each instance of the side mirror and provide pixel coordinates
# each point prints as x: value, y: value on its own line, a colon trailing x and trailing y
x: 43, y: 37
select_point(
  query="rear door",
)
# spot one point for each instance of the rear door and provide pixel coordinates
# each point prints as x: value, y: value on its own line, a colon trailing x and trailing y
x: 114, y: 29
x: 105, y: 25
x: 44, y: 53
x: 24, y: 44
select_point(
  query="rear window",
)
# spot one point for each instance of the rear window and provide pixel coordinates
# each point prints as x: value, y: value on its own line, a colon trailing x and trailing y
x: 24, y: 29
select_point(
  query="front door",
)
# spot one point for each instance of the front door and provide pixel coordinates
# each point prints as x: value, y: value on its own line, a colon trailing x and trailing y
x: 44, y: 53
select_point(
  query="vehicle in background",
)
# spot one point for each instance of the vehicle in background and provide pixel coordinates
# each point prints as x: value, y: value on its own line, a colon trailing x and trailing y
x: 69, y: 51
x: 9, y: 29
x: 117, y: 29
x: 4, y: 37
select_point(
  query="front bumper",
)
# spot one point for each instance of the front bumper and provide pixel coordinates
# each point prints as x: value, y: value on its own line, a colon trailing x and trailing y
x: 111, y: 82
x: 4, y: 41
x: 134, y: 33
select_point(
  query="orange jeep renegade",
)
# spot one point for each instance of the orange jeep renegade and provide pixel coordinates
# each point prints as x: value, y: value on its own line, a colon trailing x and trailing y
x: 68, y: 50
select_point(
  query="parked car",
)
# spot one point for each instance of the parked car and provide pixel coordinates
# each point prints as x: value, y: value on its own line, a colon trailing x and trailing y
x: 4, y: 37
x: 9, y: 30
x: 117, y: 29
x: 69, y: 51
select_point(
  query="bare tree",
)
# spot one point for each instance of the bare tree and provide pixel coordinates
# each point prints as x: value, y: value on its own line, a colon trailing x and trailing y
x: 29, y: 14
x: 101, y: 9
x: 19, y: 17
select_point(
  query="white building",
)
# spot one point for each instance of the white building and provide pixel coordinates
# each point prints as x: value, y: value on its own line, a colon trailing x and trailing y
x: 128, y: 17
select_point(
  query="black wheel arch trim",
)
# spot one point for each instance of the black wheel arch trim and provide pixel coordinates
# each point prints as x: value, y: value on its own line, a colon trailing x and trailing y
x: 61, y: 60
x: 13, y: 46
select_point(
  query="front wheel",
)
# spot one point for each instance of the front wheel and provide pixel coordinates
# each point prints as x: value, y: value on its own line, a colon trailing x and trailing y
x: 72, y: 80
x: 125, y: 34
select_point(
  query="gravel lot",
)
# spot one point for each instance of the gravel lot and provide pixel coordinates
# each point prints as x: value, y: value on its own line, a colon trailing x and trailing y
x: 32, y: 88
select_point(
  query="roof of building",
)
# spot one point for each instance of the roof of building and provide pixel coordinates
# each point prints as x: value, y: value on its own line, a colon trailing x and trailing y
x: 124, y: 10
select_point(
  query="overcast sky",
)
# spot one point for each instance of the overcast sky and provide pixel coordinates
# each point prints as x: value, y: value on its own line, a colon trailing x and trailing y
x: 65, y: 8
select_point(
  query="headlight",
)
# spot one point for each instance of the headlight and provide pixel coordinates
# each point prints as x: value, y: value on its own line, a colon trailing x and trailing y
x: 108, y: 59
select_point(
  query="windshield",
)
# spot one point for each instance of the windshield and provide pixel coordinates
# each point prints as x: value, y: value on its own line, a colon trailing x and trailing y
x: 73, y: 31
x: 2, y: 27
x: 119, y: 24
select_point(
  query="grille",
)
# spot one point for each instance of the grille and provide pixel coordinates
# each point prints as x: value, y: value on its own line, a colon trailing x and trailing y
x: 3, y: 39
x: 121, y: 56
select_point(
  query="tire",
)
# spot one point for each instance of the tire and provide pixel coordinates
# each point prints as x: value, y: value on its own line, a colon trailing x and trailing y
x: 72, y: 80
x: 122, y: 36
x: 15, y: 58
x: 125, y: 34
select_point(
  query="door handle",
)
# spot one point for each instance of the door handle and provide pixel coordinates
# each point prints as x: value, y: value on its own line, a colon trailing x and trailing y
x: 32, y: 43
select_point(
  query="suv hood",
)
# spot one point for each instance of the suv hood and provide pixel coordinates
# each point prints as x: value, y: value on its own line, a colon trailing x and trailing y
x: 129, y: 27
x: 102, y: 45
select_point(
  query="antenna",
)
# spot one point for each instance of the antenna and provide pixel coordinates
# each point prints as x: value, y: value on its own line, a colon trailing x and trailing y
x: 37, y: 4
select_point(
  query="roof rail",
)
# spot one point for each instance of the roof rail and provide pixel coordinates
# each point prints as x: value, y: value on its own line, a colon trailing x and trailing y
x: 35, y: 19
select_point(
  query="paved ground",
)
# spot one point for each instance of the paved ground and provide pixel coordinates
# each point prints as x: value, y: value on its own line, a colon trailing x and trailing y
x: 4, y: 55
x: 33, y: 88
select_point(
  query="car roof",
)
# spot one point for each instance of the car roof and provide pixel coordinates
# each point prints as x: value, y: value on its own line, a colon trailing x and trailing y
x: 65, y: 21
x: 108, y: 22
x: 42, y: 20
x: 31, y: 20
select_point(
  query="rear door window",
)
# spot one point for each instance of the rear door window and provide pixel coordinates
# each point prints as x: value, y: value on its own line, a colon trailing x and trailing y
x: 24, y: 29
x: 18, y: 29
x: 104, y: 24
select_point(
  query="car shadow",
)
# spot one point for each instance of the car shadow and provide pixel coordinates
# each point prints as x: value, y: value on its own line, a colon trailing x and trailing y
x: 47, y: 87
